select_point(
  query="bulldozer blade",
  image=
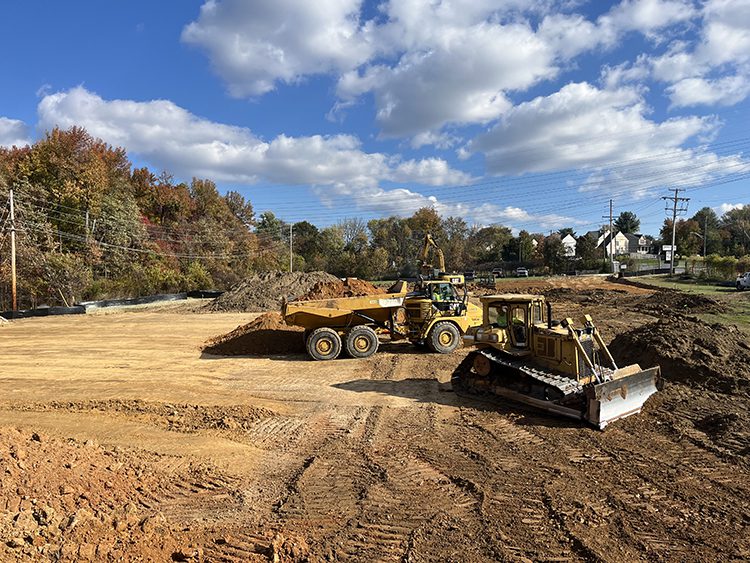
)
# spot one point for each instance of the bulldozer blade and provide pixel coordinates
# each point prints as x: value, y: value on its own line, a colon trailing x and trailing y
x: 621, y: 397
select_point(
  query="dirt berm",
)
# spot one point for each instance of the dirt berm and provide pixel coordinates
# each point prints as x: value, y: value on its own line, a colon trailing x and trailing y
x: 264, y: 291
x: 690, y: 351
x: 266, y: 335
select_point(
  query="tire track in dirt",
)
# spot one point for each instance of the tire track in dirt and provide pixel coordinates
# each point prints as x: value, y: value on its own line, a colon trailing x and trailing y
x: 674, y: 492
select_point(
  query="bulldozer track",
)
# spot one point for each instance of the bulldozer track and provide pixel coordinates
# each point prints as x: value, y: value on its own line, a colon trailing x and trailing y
x: 237, y: 547
x: 211, y: 499
x: 274, y: 431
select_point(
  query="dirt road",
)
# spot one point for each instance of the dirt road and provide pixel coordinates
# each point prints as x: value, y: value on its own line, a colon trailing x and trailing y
x: 250, y: 458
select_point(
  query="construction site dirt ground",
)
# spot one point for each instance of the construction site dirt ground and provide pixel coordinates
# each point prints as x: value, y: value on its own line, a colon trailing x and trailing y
x: 121, y: 440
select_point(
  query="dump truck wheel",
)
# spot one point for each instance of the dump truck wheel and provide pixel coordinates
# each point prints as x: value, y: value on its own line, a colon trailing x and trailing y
x: 444, y: 338
x: 361, y: 342
x: 323, y: 344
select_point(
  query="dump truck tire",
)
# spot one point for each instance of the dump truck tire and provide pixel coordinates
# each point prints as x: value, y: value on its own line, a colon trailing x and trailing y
x: 323, y: 344
x: 444, y: 338
x: 361, y: 342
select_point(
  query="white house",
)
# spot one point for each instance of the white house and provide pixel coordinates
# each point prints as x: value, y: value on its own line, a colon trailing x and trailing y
x: 569, y: 242
x: 619, y: 244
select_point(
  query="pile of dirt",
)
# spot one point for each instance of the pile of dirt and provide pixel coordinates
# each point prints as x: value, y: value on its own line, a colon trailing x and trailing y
x: 596, y: 296
x: 264, y: 291
x: 669, y: 301
x: 350, y: 287
x: 266, y: 335
x: 690, y: 351
x: 74, y: 501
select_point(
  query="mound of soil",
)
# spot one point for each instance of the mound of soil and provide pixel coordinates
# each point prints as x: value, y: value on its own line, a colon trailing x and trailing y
x: 690, y: 351
x: 266, y: 335
x: 80, y: 502
x: 597, y: 296
x: 264, y: 291
x: 668, y: 301
x: 350, y: 287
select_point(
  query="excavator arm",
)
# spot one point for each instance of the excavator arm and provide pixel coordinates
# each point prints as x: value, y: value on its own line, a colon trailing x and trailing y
x: 429, y: 243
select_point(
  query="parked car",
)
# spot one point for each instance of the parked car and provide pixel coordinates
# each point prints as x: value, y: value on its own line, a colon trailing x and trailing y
x: 743, y: 281
x: 522, y: 273
x: 498, y: 272
x: 470, y: 275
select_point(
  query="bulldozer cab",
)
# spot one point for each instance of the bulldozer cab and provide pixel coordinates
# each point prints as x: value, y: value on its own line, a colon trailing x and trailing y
x: 508, y: 320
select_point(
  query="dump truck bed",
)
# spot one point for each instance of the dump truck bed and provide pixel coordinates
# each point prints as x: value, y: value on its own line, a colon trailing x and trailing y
x: 343, y: 311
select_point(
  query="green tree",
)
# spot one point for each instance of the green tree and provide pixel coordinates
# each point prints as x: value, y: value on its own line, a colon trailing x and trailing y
x: 709, y: 224
x: 240, y: 208
x: 488, y: 243
x: 627, y: 222
x: 554, y: 254
x: 735, y: 226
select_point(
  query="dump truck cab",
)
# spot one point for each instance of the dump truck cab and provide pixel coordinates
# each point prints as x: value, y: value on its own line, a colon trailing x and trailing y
x: 439, y: 313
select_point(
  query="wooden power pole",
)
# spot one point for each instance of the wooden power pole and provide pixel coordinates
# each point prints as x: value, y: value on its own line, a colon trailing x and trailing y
x: 675, y: 210
x: 13, y: 253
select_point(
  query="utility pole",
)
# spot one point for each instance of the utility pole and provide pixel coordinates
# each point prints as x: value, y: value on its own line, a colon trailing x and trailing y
x: 705, y: 233
x: 675, y: 210
x: 13, y: 253
x: 291, y: 256
x: 611, y: 238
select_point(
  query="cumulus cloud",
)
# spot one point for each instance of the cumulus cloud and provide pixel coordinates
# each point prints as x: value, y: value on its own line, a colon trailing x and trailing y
x: 583, y: 127
x: 13, y: 132
x: 427, y: 64
x: 254, y: 44
x: 404, y: 202
x: 172, y: 138
x: 714, y: 68
x: 724, y: 207
x: 725, y: 91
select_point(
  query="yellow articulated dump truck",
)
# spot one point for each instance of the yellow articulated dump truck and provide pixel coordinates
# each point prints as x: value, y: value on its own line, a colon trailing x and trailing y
x: 434, y: 314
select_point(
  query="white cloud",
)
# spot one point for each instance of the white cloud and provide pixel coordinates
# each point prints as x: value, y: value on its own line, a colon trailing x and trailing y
x: 724, y: 91
x: 254, y: 44
x: 446, y: 82
x: 714, y: 69
x: 428, y: 64
x: 404, y: 202
x: 170, y: 137
x: 13, y: 132
x: 607, y: 132
x: 646, y: 16
x: 724, y: 207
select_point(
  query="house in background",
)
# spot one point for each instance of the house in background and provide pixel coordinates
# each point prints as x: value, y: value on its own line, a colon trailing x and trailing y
x: 617, y: 244
x: 569, y: 242
x: 639, y: 244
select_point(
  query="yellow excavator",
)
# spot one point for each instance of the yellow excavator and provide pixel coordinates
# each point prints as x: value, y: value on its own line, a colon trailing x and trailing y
x: 429, y: 270
x: 559, y: 366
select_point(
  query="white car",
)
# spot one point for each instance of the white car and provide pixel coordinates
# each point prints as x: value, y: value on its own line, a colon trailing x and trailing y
x: 522, y: 272
x: 743, y: 281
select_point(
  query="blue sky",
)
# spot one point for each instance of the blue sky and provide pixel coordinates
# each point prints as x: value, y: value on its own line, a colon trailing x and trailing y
x: 527, y: 113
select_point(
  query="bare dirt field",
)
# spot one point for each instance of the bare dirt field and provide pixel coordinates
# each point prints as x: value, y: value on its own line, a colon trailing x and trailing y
x: 121, y: 440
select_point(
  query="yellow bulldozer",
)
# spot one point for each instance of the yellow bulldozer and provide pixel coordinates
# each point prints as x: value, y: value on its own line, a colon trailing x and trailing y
x: 523, y: 355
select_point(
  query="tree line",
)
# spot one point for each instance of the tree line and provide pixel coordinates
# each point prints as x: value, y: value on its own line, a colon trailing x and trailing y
x: 90, y: 225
